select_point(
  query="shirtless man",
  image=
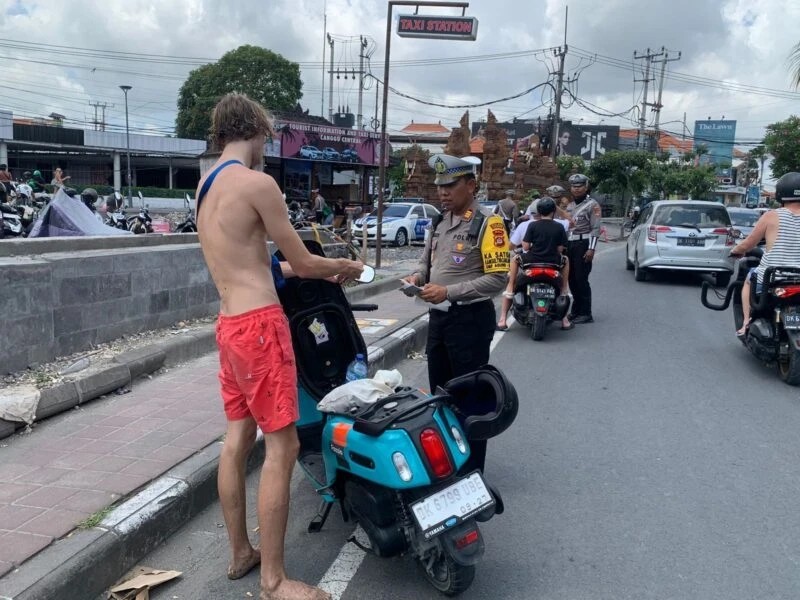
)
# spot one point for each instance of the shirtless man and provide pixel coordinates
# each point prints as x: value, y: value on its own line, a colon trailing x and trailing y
x: 238, y: 209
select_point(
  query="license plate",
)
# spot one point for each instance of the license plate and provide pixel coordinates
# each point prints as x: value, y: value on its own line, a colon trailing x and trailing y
x: 791, y: 318
x: 691, y: 242
x: 544, y: 291
x: 453, y: 505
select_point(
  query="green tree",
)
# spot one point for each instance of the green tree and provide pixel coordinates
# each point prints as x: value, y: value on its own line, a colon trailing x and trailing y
x: 413, y: 156
x: 567, y: 165
x: 260, y: 73
x: 624, y: 173
x: 783, y: 143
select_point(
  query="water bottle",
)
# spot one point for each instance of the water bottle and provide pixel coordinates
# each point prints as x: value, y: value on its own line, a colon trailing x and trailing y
x: 357, y: 369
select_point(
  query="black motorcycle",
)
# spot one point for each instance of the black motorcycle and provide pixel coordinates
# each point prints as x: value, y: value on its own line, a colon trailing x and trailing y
x: 537, y: 299
x: 142, y: 222
x: 773, y: 335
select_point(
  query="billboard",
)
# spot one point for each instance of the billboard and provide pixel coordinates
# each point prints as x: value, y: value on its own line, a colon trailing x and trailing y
x: 718, y: 138
x: 438, y: 27
x: 586, y: 141
x: 310, y: 141
x: 514, y: 131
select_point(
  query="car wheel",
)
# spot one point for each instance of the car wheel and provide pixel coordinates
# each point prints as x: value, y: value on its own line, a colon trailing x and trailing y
x: 401, y: 238
x: 628, y: 263
x: 639, y: 274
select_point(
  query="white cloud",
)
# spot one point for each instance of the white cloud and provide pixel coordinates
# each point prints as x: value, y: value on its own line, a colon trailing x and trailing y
x: 742, y: 41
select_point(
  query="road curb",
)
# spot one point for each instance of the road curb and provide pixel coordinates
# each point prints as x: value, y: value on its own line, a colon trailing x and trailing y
x: 127, y: 367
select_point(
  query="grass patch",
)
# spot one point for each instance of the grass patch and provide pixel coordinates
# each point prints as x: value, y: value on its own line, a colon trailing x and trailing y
x: 95, y: 519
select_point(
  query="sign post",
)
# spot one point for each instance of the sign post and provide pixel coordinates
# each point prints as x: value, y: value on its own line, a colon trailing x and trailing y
x: 451, y: 28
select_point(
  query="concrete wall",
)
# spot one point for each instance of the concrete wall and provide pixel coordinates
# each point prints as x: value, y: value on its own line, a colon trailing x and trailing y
x: 62, y: 303
x: 64, y: 295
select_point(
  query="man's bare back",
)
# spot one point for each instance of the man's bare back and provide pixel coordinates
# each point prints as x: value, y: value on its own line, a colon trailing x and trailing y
x: 234, y: 239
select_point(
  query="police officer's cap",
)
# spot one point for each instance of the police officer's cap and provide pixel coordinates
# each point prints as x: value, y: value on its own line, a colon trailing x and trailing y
x: 449, y: 168
x: 555, y: 191
x: 578, y: 179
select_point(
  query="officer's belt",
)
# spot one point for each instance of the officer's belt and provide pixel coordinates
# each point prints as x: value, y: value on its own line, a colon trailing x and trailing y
x: 574, y: 237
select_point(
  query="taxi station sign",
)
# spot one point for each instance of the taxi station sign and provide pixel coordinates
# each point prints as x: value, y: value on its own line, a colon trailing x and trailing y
x: 438, y: 27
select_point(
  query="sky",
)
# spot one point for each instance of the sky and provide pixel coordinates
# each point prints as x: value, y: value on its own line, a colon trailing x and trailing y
x: 61, y: 55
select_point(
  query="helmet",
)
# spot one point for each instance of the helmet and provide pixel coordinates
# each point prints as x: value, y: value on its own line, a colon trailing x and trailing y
x: 787, y: 188
x: 555, y: 191
x: 485, y: 402
x: 26, y: 174
x: 578, y: 179
x: 37, y: 173
x: 71, y: 192
x: 89, y: 194
x: 546, y: 206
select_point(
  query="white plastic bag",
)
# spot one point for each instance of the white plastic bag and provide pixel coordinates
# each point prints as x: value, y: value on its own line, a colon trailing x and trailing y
x: 353, y: 396
x: 391, y: 378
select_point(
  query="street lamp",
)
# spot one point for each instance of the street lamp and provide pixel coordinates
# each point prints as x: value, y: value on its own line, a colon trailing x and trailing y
x: 125, y: 89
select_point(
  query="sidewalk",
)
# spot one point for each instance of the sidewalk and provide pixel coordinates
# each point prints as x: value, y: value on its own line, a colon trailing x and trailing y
x: 71, y: 468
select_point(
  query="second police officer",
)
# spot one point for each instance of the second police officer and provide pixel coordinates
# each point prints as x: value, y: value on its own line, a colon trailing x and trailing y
x: 585, y: 213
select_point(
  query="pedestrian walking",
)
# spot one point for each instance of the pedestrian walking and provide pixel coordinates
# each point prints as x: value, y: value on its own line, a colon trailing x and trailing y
x: 319, y: 205
x: 508, y: 210
x: 257, y: 369
x: 584, y: 232
x: 464, y: 264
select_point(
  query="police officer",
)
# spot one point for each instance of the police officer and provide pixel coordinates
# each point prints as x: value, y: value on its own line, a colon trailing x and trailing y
x: 464, y: 264
x: 584, y: 231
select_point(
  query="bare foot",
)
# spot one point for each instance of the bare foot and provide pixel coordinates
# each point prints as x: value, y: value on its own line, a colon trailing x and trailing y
x: 289, y: 589
x: 241, y: 567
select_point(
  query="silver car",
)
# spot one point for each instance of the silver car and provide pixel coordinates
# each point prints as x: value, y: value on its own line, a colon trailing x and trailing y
x: 743, y: 220
x: 681, y: 235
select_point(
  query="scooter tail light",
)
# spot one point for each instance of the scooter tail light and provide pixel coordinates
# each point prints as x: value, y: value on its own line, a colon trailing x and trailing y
x: 401, y: 465
x: 467, y: 539
x: 787, y: 291
x: 435, y: 451
x: 541, y: 272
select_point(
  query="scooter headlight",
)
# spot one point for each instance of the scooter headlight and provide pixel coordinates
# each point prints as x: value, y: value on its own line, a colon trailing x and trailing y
x: 462, y: 447
x: 401, y: 464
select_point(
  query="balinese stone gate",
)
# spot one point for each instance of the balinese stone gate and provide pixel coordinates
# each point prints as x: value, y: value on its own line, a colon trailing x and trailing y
x: 528, y: 169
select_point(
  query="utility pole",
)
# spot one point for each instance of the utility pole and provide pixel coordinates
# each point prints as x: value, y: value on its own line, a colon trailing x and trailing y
x: 658, y: 106
x: 648, y: 58
x: 362, y: 47
x: 101, y: 125
x: 562, y: 53
x: 330, y: 91
x: 324, y: 48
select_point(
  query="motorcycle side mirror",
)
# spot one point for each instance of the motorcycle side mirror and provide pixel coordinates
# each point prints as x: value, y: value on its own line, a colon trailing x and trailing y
x: 367, y: 275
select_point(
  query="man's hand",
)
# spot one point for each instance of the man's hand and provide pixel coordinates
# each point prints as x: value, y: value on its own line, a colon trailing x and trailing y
x: 350, y: 271
x: 413, y: 279
x: 588, y: 256
x: 435, y: 294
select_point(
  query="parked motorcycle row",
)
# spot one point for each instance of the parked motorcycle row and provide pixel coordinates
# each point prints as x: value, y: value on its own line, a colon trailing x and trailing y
x: 20, y: 207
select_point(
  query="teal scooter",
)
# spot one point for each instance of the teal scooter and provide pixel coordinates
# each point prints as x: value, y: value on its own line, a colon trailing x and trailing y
x: 395, y: 467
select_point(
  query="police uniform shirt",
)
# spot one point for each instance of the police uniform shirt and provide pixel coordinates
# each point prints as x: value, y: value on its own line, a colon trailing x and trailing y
x: 470, y: 268
x: 587, y: 217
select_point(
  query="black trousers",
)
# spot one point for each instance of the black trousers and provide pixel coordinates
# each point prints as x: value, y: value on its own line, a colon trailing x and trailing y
x: 458, y: 342
x: 579, y: 271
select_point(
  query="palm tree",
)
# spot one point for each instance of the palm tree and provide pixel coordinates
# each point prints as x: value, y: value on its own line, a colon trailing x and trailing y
x: 794, y: 61
x: 759, y: 153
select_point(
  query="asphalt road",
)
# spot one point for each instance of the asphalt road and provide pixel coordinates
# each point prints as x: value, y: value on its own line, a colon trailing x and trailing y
x: 652, y: 457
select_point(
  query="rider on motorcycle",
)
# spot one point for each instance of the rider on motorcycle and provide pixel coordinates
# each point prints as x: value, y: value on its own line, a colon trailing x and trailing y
x: 543, y: 243
x: 37, y: 182
x: 781, y: 227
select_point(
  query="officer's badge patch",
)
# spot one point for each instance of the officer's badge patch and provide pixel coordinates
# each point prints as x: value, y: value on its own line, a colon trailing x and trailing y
x: 459, y: 247
x: 494, y: 246
x: 500, y: 241
x: 439, y: 166
x: 467, y: 215
x: 459, y: 258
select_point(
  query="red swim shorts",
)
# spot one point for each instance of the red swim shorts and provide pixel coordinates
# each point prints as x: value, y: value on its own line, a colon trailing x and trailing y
x: 257, y: 369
